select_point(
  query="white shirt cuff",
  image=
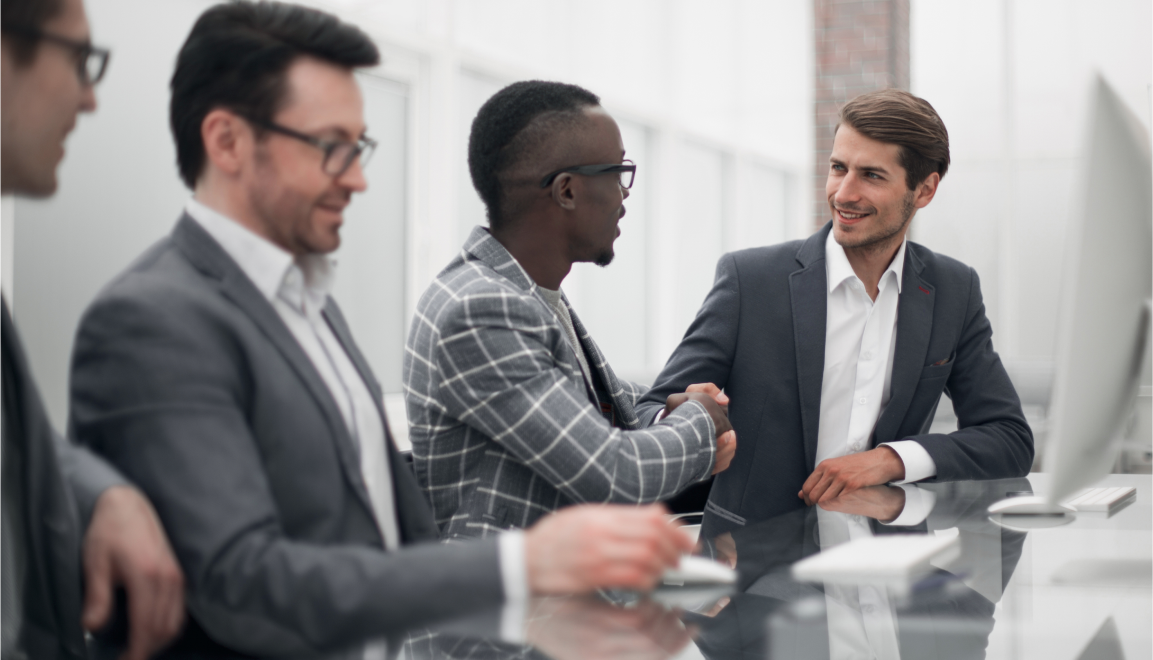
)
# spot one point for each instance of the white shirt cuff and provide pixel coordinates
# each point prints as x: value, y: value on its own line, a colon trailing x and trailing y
x: 918, y: 463
x: 919, y: 504
x: 514, y: 577
x: 659, y: 416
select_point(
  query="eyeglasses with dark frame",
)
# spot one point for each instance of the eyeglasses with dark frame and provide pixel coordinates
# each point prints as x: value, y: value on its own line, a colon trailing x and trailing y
x: 338, y: 154
x: 626, y: 169
x: 91, y: 61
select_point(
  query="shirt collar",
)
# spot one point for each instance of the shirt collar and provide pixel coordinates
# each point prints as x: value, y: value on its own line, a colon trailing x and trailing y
x: 840, y: 270
x: 272, y: 269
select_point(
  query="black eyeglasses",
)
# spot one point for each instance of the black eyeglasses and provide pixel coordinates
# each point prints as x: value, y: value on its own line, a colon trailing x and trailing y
x: 626, y: 169
x: 91, y: 61
x: 338, y: 154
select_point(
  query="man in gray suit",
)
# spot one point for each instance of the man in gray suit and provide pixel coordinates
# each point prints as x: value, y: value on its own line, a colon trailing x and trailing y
x: 514, y: 410
x: 835, y: 350
x: 63, y: 506
x: 219, y: 375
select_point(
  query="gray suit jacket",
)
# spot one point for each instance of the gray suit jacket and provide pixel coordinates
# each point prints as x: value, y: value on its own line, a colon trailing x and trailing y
x: 42, y: 532
x: 504, y: 428
x: 760, y: 335
x: 185, y: 378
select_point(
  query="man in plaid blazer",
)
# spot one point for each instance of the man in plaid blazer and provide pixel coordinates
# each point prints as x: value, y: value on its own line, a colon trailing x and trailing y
x: 514, y: 411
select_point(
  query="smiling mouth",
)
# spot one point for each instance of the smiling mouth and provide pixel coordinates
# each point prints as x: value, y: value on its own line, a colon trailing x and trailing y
x: 848, y: 216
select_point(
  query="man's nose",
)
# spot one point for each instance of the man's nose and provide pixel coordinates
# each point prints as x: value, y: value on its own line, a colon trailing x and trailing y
x: 625, y: 193
x: 87, y: 98
x: 848, y: 189
x: 353, y: 177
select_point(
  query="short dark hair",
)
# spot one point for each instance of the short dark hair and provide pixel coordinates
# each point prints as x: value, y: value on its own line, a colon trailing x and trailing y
x: 498, y: 140
x: 26, y: 14
x: 236, y: 57
x: 897, y: 117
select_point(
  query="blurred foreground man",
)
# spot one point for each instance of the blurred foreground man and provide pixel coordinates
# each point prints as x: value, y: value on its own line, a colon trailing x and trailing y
x: 513, y: 410
x: 61, y: 504
x: 835, y: 350
x: 218, y: 373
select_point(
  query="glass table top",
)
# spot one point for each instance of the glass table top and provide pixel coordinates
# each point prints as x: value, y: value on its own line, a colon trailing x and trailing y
x: 1079, y: 590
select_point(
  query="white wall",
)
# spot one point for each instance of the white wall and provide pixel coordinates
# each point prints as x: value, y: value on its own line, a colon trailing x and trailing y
x: 1010, y: 78
x: 723, y: 85
x: 7, y: 245
x: 714, y: 99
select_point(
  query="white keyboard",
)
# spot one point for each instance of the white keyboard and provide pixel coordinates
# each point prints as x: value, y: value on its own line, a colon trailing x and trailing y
x: 1103, y: 500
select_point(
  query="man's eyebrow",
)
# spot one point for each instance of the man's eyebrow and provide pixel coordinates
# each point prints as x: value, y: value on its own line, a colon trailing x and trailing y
x: 864, y: 168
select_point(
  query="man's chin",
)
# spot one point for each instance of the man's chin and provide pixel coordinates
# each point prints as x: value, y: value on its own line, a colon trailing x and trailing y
x: 35, y: 187
x: 604, y: 258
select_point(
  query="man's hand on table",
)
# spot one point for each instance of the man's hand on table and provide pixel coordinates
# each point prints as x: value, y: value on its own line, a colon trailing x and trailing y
x: 716, y: 403
x: 883, y: 503
x: 848, y: 473
x: 602, y: 546
x: 125, y: 546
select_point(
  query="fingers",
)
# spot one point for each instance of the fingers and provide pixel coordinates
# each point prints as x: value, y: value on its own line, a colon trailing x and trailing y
x: 726, y: 450
x: 143, y: 616
x: 712, y: 390
x: 97, y: 591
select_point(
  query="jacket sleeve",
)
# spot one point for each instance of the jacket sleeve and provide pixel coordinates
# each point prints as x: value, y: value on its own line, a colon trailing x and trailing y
x: 87, y: 474
x: 159, y: 389
x: 993, y: 440
x: 498, y: 374
x: 705, y: 354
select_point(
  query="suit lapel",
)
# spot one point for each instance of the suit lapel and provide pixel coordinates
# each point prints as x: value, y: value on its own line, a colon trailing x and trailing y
x: 206, y: 255
x: 414, y: 517
x: 808, y: 289
x: 623, y: 411
x: 914, y: 327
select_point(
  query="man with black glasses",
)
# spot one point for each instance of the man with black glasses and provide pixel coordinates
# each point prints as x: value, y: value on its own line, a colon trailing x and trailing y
x: 219, y: 374
x: 61, y: 504
x: 513, y: 410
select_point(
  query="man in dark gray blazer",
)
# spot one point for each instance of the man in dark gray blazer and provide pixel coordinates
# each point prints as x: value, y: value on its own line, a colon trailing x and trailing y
x: 63, y: 506
x: 835, y: 350
x: 219, y: 375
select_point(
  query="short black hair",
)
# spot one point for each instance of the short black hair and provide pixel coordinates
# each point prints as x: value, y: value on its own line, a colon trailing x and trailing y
x: 25, y: 14
x: 236, y: 57
x: 493, y: 147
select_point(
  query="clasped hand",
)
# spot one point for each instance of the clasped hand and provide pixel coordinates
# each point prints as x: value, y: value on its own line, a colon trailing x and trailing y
x: 716, y: 403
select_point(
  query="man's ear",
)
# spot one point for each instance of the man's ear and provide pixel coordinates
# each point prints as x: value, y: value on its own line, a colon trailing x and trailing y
x: 562, y: 191
x: 926, y: 190
x: 228, y: 141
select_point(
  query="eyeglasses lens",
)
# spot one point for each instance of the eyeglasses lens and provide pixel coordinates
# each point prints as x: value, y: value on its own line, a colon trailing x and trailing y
x: 92, y: 67
x: 342, y: 155
x: 627, y: 178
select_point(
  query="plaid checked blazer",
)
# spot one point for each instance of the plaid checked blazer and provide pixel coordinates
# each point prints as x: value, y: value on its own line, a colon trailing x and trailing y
x: 504, y: 427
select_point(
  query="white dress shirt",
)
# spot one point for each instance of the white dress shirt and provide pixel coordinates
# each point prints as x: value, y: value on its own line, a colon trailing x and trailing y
x: 298, y: 289
x: 860, y: 342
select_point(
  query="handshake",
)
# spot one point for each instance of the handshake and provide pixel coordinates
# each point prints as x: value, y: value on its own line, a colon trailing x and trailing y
x: 583, y: 548
x: 716, y: 403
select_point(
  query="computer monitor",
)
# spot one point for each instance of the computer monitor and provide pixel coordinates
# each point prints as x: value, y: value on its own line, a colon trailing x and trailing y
x: 1104, y: 318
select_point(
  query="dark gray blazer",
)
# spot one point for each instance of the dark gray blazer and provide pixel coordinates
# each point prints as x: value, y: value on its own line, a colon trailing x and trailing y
x: 760, y: 335
x: 185, y: 377
x: 41, y: 518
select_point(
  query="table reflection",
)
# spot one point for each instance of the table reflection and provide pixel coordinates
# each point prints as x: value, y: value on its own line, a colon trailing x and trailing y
x: 945, y: 613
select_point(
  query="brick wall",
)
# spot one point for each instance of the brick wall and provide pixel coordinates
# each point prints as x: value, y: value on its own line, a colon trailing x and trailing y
x: 862, y: 45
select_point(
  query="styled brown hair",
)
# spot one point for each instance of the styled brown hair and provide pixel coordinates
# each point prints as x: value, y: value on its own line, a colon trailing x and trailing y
x: 24, y: 14
x: 897, y: 117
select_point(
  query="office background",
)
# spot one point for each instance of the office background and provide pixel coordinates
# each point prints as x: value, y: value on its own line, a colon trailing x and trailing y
x: 723, y: 104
